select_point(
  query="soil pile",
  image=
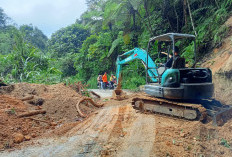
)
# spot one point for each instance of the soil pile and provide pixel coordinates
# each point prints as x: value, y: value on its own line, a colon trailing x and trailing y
x: 58, y: 101
x: 176, y: 137
x: 11, y: 126
x: 119, y: 94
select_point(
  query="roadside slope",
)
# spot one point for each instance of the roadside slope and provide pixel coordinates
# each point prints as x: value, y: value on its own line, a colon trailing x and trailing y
x: 220, y: 62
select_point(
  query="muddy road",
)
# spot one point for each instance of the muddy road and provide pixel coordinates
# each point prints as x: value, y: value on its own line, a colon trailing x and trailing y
x: 114, y: 130
x: 119, y: 130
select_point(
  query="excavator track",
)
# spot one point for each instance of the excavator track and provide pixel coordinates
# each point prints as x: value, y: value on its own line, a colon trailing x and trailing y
x: 191, y: 111
x: 181, y: 110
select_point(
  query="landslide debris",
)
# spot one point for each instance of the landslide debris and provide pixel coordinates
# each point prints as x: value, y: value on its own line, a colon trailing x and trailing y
x: 30, y: 110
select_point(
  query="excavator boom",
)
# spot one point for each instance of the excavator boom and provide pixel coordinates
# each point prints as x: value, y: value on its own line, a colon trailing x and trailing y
x: 142, y: 55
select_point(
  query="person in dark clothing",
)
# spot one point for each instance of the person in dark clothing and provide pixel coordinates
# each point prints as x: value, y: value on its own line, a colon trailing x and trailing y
x: 168, y: 64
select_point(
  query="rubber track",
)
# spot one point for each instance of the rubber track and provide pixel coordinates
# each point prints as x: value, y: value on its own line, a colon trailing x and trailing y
x: 202, y: 116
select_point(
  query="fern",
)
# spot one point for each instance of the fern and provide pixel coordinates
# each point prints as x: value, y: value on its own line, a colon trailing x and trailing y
x: 114, y: 45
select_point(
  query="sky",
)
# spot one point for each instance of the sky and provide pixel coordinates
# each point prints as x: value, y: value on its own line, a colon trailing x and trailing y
x: 48, y: 15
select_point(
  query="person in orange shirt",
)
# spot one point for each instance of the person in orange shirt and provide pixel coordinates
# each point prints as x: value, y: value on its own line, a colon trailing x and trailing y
x: 104, y: 79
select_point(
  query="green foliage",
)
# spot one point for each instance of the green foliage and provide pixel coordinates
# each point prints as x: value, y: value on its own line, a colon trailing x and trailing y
x: 224, y: 143
x: 11, y: 111
x: 71, y: 80
x: 34, y: 36
x: 189, y: 54
x: 92, y: 83
x: 27, y: 63
x: 3, y: 18
x: 66, y: 65
x: 133, y: 75
x: 67, y: 40
x: 82, y: 51
x: 116, y: 43
x: 6, y: 43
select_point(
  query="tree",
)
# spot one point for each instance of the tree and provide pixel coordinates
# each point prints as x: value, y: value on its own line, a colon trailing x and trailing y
x: 34, y: 36
x: 68, y: 40
x: 3, y: 18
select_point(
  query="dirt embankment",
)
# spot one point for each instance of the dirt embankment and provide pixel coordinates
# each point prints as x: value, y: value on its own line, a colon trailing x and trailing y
x: 58, y: 101
x: 220, y: 62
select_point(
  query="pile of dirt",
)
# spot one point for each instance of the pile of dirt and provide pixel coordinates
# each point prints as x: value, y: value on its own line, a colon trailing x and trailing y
x: 58, y: 101
x: 14, y: 130
x: 176, y: 137
x: 119, y: 94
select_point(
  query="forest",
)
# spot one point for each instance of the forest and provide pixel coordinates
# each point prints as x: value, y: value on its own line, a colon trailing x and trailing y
x: 90, y: 46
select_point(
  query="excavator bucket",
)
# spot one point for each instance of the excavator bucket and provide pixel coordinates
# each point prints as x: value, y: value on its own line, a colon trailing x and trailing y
x: 118, y: 94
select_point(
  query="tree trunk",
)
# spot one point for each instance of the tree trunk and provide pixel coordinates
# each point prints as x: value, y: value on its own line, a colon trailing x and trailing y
x: 190, y: 14
x: 148, y: 15
x: 177, y: 18
x: 184, y: 11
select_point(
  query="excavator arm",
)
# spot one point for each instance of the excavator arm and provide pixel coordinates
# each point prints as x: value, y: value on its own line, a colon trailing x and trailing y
x: 141, y: 54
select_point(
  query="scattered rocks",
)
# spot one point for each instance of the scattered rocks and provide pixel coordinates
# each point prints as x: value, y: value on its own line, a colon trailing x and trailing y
x: 33, y: 135
x: 27, y: 137
x: 53, y: 123
x: 36, y: 102
x: 18, y: 138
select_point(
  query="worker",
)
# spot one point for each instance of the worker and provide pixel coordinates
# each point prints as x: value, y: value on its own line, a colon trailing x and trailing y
x: 112, y: 81
x: 168, y: 64
x: 104, y: 79
x: 99, y: 81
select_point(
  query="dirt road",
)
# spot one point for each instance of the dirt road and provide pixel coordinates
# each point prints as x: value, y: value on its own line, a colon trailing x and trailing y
x: 119, y: 130
x: 114, y: 130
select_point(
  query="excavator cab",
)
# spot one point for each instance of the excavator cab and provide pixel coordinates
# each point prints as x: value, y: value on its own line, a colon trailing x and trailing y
x: 179, y: 81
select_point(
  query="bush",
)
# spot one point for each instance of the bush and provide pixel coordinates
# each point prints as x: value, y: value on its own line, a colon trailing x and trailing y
x: 92, y: 83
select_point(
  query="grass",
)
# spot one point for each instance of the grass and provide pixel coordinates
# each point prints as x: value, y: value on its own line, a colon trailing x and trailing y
x: 224, y: 143
x: 11, y: 111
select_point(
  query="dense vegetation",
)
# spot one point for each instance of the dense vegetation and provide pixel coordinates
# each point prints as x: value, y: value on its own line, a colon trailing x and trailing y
x: 108, y: 28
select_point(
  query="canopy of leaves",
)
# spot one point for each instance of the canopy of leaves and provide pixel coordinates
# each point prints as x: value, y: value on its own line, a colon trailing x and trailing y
x: 68, y: 40
x: 34, y: 36
x: 107, y: 29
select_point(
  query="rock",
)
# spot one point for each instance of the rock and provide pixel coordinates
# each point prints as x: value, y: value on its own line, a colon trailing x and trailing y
x: 53, y: 123
x: 33, y: 135
x: 36, y: 102
x: 25, y: 131
x: 182, y: 134
x: 18, y: 138
x: 27, y: 137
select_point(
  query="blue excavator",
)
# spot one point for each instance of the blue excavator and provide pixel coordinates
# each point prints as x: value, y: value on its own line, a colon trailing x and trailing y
x: 178, y: 90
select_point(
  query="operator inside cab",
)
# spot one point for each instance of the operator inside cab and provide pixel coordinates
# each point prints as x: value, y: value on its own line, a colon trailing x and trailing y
x: 169, y: 63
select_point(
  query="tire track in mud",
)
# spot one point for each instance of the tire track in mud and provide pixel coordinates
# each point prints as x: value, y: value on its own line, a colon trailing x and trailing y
x: 77, y: 144
x: 140, y: 139
x: 85, y: 143
x: 113, y: 131
x: 132, y: 135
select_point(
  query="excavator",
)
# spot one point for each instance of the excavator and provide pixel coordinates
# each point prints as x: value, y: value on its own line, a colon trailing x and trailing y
x: 179, y: 91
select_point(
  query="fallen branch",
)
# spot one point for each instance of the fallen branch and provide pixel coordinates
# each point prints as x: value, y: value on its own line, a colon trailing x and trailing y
x: 37, y: 120
x: 27, y: 98
x: 31, y: 113
x: 88, y: 100
x: 98, y: 96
